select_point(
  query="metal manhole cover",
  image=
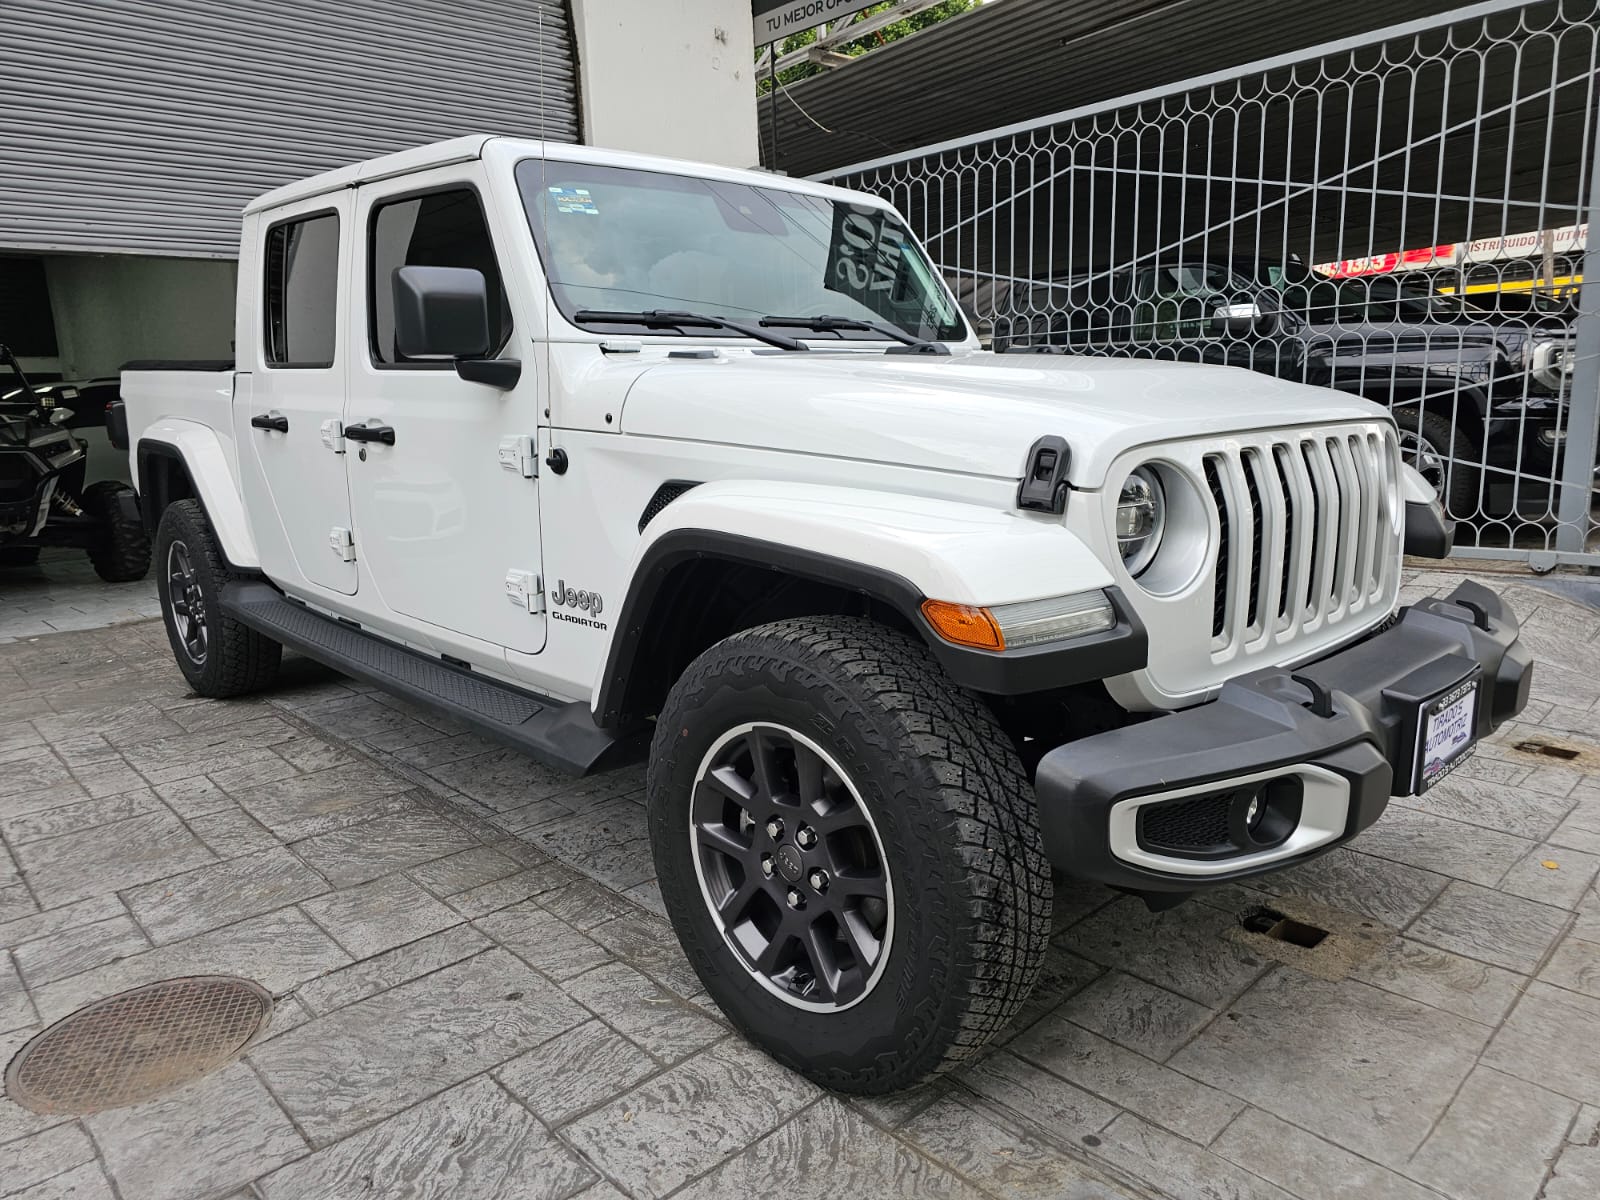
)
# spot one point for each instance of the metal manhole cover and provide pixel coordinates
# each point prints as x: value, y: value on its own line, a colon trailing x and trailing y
x: 138, y: 1044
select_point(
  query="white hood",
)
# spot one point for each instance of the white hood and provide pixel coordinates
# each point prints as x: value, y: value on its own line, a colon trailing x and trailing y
x: 976, y: 413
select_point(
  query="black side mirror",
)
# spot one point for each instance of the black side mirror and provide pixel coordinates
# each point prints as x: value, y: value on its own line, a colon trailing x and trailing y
x: 442, y: 313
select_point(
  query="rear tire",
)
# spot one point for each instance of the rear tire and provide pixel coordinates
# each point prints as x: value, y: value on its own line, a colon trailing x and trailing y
x: 121, y: 550
x: 19, y: 556
x: 217, y: 655
x: 906, y: 915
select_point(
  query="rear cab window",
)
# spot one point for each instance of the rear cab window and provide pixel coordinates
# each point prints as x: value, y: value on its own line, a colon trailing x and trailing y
x: 300, y: 300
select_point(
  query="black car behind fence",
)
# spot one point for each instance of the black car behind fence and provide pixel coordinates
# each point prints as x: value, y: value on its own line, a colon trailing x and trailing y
x: 1402, y: 215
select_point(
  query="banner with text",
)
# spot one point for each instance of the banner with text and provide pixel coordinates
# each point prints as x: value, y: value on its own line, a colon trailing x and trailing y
x: 777, y: 19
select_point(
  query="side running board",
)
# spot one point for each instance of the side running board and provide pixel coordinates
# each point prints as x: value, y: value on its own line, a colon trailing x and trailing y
x: 554, y: 732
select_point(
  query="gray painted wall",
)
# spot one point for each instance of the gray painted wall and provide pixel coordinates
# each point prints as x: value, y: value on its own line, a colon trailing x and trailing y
x: 111, y: 308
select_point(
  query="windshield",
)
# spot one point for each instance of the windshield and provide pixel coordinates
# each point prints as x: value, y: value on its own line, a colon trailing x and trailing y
x: 614, y: 239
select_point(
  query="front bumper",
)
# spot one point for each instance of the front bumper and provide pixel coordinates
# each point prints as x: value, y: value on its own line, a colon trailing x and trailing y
x: 1322, y: 746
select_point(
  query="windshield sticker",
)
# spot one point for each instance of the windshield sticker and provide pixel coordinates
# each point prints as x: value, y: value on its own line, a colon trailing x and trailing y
x: 865, y: 253
x: 574, y: 200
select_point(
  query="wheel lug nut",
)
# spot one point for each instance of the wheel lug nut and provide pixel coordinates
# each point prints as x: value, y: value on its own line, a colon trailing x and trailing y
x: 806, y: 837
x: 818, y: 879
x: 774, y: 828
x: 796, y: 900
x: 766, y: 865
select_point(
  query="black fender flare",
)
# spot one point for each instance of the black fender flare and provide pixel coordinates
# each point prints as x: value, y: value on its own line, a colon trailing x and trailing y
x: 1117, y: 651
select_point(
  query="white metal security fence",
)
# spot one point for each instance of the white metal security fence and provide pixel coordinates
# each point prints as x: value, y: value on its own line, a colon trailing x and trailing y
x: 1403, y: 215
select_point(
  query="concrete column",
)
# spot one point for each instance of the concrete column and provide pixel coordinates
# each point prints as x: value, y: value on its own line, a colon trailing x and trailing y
x: 672, y: 77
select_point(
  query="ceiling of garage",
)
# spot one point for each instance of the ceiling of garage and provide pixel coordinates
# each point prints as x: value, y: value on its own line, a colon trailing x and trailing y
x: 1013, y: 60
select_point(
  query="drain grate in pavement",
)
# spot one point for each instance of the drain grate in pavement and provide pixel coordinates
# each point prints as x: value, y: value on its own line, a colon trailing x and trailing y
x: 138, y: 1044
x: 1326, y: 942
x: 1269, y: 922
x: 1548, y: 751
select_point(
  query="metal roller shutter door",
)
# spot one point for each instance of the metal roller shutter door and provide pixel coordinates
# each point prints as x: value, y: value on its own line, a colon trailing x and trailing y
x: 143, y: 126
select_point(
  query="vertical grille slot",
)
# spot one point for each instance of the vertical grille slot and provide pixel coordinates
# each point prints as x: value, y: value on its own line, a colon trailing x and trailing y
x: 1280, y: 461
x: 1249, y: 461
x: 1219, y: 602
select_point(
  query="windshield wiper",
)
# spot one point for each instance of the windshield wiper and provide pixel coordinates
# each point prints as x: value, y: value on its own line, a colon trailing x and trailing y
x: 658, y: 318
x: 839, y: 324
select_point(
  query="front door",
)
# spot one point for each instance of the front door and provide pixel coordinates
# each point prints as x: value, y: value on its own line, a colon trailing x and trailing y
x: 443, y: 519
x: 291, y: 396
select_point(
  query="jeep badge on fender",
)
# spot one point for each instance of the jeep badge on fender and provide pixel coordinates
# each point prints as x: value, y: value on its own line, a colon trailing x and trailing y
x: 859, y: 562
x: 588, y: 602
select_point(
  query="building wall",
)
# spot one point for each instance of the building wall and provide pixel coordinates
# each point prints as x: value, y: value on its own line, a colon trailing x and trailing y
x: 112, y: 308
x: 671, y: 77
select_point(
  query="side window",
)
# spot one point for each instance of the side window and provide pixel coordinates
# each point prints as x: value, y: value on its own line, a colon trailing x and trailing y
x: 439, y: 229
x: 302, y: 291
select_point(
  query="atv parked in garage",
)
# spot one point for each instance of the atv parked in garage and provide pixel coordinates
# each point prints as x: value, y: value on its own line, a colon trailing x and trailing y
x: 43, y: 501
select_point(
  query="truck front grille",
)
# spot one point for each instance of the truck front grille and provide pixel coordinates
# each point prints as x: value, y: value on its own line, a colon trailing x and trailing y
x: 1308, y: 532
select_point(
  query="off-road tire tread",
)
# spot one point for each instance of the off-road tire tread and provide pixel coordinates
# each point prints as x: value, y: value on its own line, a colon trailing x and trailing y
x: 1460, y: 498
x: 1005, y: 907
x: 121, y: 550
x: 238, y: 659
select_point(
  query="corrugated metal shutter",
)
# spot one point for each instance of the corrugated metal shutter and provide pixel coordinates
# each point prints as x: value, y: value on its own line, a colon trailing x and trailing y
x: 142, y: 126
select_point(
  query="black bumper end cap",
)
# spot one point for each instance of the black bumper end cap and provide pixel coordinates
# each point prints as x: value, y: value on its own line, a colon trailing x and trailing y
x: 1429, y: 533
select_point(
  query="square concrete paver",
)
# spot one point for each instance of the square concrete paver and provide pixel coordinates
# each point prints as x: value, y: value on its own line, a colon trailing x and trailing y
x: 478, y: 996
x: 1350, y: 1039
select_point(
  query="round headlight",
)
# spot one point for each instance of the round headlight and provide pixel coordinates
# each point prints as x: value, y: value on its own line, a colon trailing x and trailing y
x: 1141, y: 519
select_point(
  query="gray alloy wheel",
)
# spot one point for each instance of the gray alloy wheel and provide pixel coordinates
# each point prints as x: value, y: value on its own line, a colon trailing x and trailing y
x: 1419, y: 452
x: 186, y: 607
x: 791, y: 867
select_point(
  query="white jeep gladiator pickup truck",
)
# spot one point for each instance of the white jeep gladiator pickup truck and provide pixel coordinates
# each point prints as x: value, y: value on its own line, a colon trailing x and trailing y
x: 606, y: 456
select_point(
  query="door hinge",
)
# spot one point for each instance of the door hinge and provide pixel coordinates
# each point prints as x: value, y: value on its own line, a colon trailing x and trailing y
x: 333, y: 434
x: 525, y: 590
x: 517, y: 454
x: 343, y: 543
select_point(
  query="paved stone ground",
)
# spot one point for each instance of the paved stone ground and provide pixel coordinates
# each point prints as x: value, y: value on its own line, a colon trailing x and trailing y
x: 62, y: 592
x: 478, y: 996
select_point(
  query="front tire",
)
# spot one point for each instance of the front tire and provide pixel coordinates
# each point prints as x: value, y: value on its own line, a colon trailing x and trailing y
x: 217, y: 655
x: 849, y: 850
x: 121, y: 549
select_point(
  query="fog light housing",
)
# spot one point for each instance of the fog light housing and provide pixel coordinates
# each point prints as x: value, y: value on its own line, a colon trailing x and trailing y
x: 1266, y: 814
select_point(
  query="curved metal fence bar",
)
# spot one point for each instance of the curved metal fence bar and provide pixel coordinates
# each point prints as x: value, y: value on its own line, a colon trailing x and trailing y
x: 1403, y: 216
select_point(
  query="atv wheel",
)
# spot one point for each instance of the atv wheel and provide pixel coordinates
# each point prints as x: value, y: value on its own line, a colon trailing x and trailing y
x: 217, y: 655
x: 120, y: 552
x: 1443, y: 455
x: 849, y: 850
x: 19, y: 556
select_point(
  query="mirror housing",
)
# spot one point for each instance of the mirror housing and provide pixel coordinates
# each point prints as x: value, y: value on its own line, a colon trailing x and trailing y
x: 441, y: 313
x: 1236, y: 320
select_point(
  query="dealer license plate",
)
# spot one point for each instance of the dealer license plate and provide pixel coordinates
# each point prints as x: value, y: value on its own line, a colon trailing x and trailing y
x: 1445, y: 733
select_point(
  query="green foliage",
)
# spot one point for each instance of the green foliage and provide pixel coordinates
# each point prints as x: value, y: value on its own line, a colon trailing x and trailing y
x: 889, y: 33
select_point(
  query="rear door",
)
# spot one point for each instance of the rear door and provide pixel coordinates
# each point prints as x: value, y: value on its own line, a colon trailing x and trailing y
x: 287, y: 413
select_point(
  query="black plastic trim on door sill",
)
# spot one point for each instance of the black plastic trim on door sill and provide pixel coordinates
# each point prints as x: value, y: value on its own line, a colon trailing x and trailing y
x: 554, y: 732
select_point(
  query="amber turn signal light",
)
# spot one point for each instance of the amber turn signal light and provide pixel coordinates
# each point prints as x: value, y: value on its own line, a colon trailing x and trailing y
x: 964, y: 624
